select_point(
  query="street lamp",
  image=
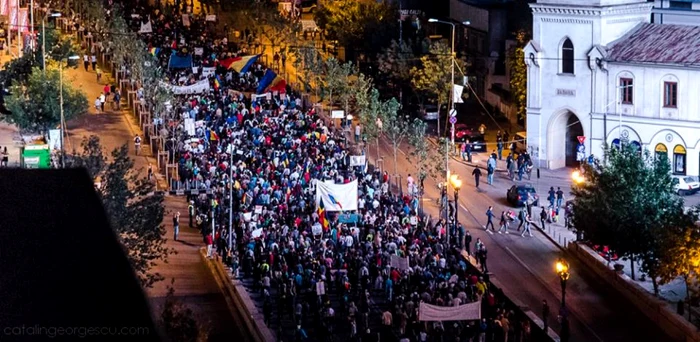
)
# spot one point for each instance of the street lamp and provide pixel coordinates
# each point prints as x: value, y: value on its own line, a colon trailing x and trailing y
x: 456, y: 184
x: 562, y: 268
x: 43, y: 36
x: 60, y: 99
x: 577, y: 177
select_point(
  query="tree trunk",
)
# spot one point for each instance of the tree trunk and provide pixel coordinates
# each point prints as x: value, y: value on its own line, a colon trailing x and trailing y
x: 438, y: 119
x: 632, y: 268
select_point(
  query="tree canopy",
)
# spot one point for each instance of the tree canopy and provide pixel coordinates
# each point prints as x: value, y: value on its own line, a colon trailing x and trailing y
x: 35, y: 106
x: 629, y: 204
x: 132, y: 205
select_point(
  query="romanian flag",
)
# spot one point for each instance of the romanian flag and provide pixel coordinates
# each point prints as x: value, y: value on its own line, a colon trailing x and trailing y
x: 271, y: 82
x: 239, y: 64
x: 154, y: 51
x: 217, y: 82
x: 322, y: 216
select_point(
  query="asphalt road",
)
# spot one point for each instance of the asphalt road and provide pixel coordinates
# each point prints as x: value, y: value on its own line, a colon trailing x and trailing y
x: 524, y: 266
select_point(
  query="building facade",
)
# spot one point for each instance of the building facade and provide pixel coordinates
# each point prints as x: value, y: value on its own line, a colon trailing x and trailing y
x: 676, y: 12
x: 598, y: 69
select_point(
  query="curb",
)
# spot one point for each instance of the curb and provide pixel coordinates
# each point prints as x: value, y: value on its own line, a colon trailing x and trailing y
x: 238, y: 307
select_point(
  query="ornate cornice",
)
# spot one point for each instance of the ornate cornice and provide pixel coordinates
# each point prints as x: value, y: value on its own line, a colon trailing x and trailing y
x: 567, y: 20
x: 641, y: 8
x: 623, y: 20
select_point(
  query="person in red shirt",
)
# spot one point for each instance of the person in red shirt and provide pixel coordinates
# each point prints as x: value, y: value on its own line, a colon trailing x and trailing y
x: 210, y: 245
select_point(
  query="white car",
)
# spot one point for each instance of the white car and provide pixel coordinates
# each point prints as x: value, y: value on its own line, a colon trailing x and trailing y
x: 685, y: 185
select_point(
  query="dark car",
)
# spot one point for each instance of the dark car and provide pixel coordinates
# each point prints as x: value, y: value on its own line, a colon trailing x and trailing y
x: 517, y: 195
x: 477, y: 140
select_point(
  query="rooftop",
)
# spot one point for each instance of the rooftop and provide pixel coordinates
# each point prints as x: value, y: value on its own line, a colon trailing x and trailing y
x: 658, y: 44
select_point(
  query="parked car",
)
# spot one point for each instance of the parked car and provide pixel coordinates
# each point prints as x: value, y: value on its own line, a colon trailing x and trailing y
x: 685, y: 185
x: 462, y: 132
x: 429, y: 113
x: 518, y: 195
x: 478, y: 142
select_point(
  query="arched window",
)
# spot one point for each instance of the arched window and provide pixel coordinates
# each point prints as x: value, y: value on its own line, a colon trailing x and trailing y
x: 679, y: 160
x: 567, y: 57
x: 661, y: 151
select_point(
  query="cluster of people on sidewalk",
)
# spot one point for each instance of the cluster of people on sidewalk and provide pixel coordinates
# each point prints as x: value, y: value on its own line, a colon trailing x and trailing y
x: 255, y: 163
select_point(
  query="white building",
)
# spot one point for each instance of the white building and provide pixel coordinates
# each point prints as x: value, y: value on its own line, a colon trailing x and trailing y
x: 676, y: 12
x: 594, y: 65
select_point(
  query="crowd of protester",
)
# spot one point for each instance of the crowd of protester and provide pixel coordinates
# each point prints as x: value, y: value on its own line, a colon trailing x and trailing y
x: 255, y: 162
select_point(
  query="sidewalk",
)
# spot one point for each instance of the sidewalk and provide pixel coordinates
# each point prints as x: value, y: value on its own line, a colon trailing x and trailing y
x: 194, y: 284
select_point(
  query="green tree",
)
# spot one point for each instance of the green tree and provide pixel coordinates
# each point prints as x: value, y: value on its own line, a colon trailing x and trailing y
x: 681, y: 257
x: 628, y: 204
x: 335, y: 79
x: 395, y: 62
x: 518, y: 73
x: 34, y: 106
x: 369, y: 108
x: 432, y: 76
x: 132, y: 205
x: 396, y: 126
x: 178, y: 321
x: 366, y: 24
x: 308, y: 60
x: 17, y: 70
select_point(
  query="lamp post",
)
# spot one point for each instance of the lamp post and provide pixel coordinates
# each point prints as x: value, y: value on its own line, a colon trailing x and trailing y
x: 230, y: 202
x: 456, y: 185
x: 60, y: 101
x: 562, y: 268
x: 43, y: 36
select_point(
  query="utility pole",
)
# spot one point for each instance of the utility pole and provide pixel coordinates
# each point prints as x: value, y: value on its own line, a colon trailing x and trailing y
x: 230, y: 203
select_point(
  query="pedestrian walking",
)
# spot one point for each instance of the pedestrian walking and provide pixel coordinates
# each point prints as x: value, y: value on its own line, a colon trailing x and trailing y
x: 98, y: 104
x: 490, y: 169
x: 504, y: 223
x: 190, y: 211
x: 483, y: 254
x: 499, y: 146
x: 93, y: 59
x: 103, y: 99
x: 477, y: 174
x: 521, y: 217
x: 150, y: 176
x: 551, y: 197
x: 560, y: 197
x: 137, y: 144
x: 210, y: 244
x: 99, y: 74
x: 489, y: 217
x: 526, y: 226
x: 468, y: 242
x: 468, y: 151
x: 543, y: 217
x: 176, y: 225
x: 117, y: 101
x: 86, y: 61
x: 358, y: 131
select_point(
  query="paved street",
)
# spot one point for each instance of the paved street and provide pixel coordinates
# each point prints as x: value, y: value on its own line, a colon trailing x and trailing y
x: 524, y: 267
x: 194, y: 283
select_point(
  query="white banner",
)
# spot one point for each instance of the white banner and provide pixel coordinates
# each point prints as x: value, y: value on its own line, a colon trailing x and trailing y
x: 197, y: 88
x: 189, y: 126
x: 465, y: 312
x: 208, y: 71
x: 337, y: 197
x: 457, y: 93
x: 337, y: 114
x: 55, y: 139
x: 198, y: 51
x: 211, y: 17
x: 357, y: 160
x: 399, y: 262
x: 146, y: 28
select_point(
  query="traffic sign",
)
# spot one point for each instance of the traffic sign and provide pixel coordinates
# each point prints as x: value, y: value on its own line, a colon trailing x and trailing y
x: 453, y: 112
x: 581, y: 139
x: 453, y: 120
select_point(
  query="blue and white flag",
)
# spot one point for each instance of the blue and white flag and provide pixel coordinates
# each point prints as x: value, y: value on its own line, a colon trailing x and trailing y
x: 337, y: 197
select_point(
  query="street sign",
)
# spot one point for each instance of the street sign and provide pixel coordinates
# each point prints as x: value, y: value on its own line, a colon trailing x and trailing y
x: 453, y: 120
x: 453, y: 112
x: 581, y: 139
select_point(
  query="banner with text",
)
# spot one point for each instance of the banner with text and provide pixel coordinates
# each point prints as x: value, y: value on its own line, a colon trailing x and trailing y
x: 434, y: 313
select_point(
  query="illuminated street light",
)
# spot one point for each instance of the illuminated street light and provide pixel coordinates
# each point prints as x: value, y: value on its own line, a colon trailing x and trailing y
x: 577, y: 177
x: 562, y: 268
x: 456, y: 185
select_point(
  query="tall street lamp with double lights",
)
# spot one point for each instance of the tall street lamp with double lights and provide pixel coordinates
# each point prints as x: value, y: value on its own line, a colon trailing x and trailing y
x: 562, y: 268
x: 452, y: 103
x: 60, y: 99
